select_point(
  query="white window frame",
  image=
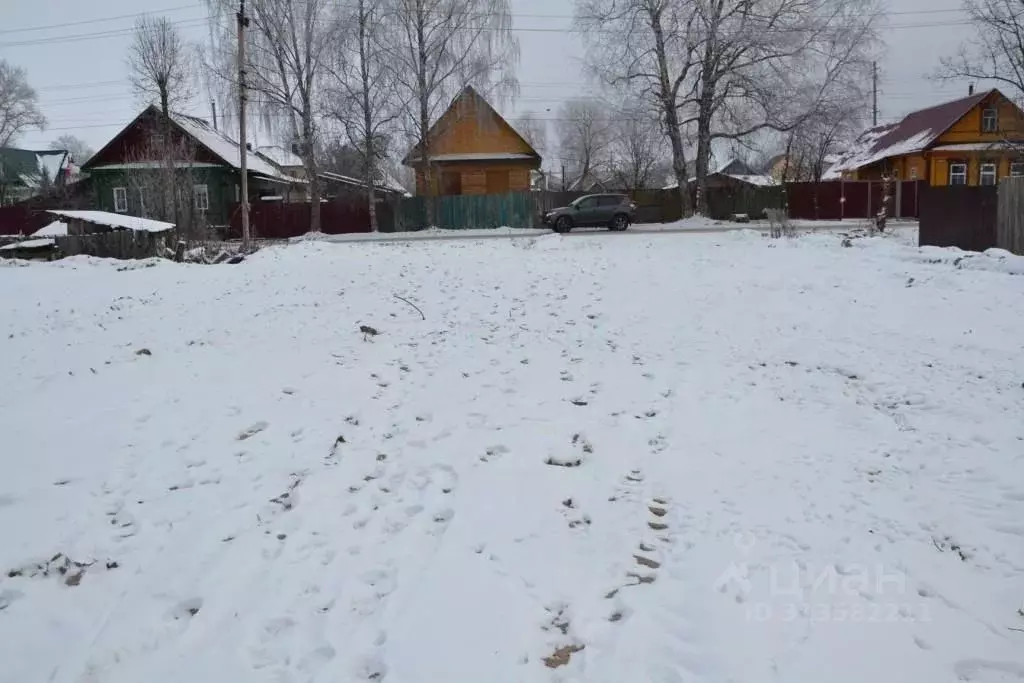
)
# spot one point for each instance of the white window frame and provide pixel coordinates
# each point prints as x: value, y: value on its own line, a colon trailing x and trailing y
x: 201, y: 197
x: 959, y: 174
x: 989, y: 120
x: 142, y: 201
x: 991, y: 170
x: 120, y: 200
x: 1016, y: 169
x: 913, y: 173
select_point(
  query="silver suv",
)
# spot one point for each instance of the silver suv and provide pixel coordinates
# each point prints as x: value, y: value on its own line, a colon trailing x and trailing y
x: 614, y: 211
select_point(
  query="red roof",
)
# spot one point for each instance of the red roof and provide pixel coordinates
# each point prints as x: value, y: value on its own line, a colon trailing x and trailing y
x: 914, y: 133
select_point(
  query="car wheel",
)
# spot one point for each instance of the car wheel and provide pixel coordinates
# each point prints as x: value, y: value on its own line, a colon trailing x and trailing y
x: 563, y: 224
x: 620, y: 222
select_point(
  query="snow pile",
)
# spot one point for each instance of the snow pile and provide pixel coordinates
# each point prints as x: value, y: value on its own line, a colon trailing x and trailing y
x: 631, y: 458
x: 28, y: 244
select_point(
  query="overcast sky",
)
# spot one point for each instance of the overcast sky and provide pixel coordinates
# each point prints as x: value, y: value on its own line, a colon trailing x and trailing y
x: 79, y: 67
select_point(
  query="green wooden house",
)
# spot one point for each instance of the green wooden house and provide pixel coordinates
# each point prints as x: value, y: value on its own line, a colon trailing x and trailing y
x: 181, y: 169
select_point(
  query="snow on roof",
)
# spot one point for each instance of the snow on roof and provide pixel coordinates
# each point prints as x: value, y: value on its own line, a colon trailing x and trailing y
x: 759, y: 180
x: 914, y: 133
x: 477, y: 156
x: 54, y: 229
x: 227, y: 149
x: 384, y: 182
x: 279, y: 155
x: 116, y: 220
x: 28, y: 244
x: 975, y: 147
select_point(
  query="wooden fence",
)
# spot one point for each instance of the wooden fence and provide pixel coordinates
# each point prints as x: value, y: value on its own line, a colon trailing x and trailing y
x: 1010, y: 215
x: 282, y: 220
x: 119, y: 244
x: 958, y: 216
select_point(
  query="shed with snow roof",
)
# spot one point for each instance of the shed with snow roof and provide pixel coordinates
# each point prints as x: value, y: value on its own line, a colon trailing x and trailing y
x: 472, y: 150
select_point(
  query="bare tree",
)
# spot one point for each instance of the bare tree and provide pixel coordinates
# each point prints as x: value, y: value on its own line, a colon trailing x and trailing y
x: 996, y: 51
x: 288, y: 44
x: 636, y: 147
x: 19, y: 104
x: 647, y: 47
x: 584, y: 135
x: 361, y: 94
x: 77, y: 148
x: 160, y: 64
x: 727, y: 69
x: 436, y: 48
x: 534, y: 130
x: 769, y: 64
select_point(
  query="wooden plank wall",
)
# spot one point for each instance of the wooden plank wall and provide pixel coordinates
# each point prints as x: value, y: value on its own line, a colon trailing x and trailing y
x: 1010, y: 215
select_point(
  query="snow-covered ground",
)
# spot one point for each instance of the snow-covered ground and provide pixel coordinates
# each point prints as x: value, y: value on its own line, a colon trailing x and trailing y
x: 657, y: 458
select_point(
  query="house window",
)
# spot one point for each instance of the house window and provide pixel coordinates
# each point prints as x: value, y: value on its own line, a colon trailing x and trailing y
x: 120, y: 200
x: 913, y: 172
x: 987, y: 175
x: 989, y: 120
x: 142, y: 202
x: 958, y: 174
x: 1017, y: 169
x: 202, y: 197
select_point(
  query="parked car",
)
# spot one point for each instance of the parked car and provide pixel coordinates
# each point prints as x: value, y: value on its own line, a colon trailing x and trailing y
x: 614, y: 211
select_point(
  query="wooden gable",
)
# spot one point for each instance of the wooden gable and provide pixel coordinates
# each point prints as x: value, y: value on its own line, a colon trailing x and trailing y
x: 133, y: 143
x: 472, y: 126
x: 969, y: 127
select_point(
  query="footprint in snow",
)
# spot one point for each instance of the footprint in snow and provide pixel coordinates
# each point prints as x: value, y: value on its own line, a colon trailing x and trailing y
x: 252, y: 430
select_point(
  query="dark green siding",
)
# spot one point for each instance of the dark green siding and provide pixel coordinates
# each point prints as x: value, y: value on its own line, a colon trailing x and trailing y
x: 220, y: 184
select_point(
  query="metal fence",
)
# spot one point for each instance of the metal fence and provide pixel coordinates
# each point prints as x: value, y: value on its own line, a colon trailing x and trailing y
x: 958, y: 216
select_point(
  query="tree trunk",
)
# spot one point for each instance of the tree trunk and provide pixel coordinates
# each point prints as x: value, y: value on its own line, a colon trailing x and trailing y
x: 671, y: 114
x: 424, y: 117
x: 370, y: 162
x: 170, y: 186
x: 704, y: 147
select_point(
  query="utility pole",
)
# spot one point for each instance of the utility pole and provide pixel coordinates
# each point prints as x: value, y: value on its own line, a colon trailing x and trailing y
x: 243, y: 155
x: 875, y: 92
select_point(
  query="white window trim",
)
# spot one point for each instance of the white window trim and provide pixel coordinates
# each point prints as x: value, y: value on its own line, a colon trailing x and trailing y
x: 142, y: 201
x: 201, y: 192
x: 995, y: 120
x: 994, y: 174
x: 913, y: 173
x: 120, y: 200
x: 962, y: 174
x: 1017, y: 172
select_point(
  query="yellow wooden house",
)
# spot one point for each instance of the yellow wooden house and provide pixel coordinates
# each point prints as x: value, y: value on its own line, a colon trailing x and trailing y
x: 472, y: 150
x: 977, y: 140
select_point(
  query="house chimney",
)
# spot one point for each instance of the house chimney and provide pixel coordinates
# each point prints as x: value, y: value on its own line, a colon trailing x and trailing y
x: 970, y: 89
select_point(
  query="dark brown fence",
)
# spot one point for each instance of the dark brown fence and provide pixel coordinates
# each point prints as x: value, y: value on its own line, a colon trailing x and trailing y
x: 837, y: 200
x: 281, y: 220
x: 958, y: 216
x: 24, y: 218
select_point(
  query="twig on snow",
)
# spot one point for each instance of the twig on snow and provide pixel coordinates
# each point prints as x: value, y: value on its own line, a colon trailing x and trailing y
x: 402, y: 298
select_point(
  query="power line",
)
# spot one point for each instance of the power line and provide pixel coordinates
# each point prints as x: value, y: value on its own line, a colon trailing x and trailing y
x: 192, y: 23
x: 118, y: 17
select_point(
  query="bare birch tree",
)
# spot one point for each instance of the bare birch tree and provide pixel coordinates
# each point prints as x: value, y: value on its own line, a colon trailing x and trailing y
x: 646, y: 47
x: 19, y: 104
x: 584, y: 135
x: 288, y: 45
x: 727, y: 69
x: 436, y: 48
x: 996, y: 51
x: 769, y: 64
x: 361, y: 94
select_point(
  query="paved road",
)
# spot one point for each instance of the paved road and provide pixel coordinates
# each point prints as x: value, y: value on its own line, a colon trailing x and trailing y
x: 634, y: 230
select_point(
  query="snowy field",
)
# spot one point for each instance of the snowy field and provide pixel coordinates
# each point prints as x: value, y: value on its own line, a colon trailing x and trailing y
x: 650, y: 459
